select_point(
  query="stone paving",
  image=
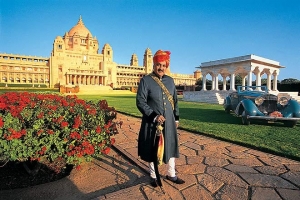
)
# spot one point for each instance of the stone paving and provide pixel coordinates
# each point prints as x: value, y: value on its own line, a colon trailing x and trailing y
x: 212, y: 169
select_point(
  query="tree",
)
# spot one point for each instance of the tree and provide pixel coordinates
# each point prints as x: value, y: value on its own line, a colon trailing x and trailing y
x: 289, y: 81
x: 199, y: 81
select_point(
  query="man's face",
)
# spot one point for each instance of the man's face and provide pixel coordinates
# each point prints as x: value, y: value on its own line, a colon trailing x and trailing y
x: 159, y: 68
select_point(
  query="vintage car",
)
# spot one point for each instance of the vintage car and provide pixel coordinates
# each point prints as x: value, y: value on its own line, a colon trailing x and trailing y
x: 256, y: 103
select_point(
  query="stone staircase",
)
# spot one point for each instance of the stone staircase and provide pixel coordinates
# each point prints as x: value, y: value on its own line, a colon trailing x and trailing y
x: 209, y: 96
x: 93, y: 89
x: 289, y: 95
x: 217, y: 97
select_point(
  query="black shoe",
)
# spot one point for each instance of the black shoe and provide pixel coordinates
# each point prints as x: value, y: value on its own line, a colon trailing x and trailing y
x: 153, y: 182
x: 177, y: 180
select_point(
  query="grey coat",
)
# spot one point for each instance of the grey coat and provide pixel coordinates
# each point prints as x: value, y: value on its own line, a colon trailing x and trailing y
x: 152, y: 101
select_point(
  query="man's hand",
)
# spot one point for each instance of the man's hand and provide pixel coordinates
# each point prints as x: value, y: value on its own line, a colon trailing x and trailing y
x: 177, y: 124
x: 160, y: 119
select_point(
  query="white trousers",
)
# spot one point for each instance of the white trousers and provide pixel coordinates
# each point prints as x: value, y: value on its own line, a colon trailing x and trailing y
x: 170, y: 167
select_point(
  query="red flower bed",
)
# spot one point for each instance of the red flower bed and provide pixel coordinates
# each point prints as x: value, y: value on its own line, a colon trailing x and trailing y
x: 50, y: 127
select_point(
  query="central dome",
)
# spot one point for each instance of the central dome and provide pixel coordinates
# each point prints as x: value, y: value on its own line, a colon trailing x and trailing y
x: 80, y: 29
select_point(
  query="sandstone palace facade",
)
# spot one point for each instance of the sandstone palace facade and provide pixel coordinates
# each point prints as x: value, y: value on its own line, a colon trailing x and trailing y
x: 76, y: 63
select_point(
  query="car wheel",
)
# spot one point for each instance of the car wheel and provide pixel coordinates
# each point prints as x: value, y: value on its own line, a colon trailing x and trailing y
x: 245, y: 120
x: 290, y: 123
x: 227, y: 110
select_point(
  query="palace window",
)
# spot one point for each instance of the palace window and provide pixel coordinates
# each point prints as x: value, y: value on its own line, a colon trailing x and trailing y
x: 59, y: 46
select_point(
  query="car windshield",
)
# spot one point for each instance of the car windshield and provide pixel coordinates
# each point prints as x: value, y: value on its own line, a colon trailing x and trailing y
x: 252, y: 88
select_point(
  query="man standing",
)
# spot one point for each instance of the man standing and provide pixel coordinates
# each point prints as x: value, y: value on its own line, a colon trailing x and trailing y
x: 157, y: 101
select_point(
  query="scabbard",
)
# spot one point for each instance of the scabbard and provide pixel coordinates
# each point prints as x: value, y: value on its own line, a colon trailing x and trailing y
x: 159, y: 183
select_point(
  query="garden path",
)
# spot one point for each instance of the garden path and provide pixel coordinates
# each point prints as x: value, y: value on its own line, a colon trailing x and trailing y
x: 212, y: 169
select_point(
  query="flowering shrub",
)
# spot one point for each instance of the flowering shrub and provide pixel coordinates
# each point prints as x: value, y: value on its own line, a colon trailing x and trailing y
x: 50, y: 127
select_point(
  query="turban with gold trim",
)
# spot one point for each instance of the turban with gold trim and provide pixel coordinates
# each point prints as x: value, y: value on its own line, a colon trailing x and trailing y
x: 161, y: 56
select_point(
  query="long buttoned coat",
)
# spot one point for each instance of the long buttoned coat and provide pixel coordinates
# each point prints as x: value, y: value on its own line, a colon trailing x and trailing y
x: 151, y: 101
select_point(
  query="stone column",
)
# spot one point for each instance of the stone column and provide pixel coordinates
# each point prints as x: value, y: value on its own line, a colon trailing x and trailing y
x: 258, y: 79
x: 232, y: 79
x: 224, y: 82
x: 275, y: 82
x: 269, y: 82
x: 249, y: 78
x: 92, y: 80
x: 79, y: 79
x: 244, y: 81
x: 216, y: 83
x: 204, y: 82
x: 67, y: 79
x: 213, y: 82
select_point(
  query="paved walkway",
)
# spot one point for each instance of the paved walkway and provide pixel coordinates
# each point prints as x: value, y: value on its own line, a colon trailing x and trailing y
x: 212, y: 169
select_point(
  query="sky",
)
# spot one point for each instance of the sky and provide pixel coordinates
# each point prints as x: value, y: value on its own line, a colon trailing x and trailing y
x: 195, y: 31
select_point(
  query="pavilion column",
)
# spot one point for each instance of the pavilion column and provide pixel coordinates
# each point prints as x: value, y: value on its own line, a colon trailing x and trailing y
x: 204, y: 82
x: 216, y: 83
x: 232, y: 81
x: 213, y: 82
x: 269, y: 81
x: 79, y: 80
x: 275, y: 82
x: 249, y: 78
x: 258, y: 80
x: 244, y: 81
x: 224, y: 82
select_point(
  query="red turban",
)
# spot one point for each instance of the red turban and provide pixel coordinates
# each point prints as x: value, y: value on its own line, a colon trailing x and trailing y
x: 161, y: 56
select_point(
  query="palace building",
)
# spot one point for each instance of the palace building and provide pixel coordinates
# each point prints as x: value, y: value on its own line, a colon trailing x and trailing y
x: 75, y: 64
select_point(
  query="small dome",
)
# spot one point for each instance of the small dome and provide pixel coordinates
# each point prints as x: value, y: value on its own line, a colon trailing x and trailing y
x: 80, y: 29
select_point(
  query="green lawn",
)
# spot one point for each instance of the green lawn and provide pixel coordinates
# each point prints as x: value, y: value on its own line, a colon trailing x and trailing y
x: 211, y: 120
